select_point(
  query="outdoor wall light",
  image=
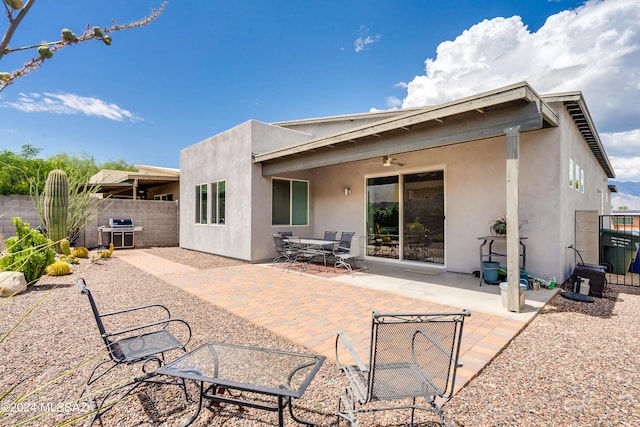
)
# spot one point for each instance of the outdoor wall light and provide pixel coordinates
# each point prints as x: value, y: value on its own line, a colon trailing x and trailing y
x: 347, y: 191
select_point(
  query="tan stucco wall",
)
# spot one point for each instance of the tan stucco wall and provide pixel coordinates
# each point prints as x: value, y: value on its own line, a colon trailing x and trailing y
x: 475, y: 193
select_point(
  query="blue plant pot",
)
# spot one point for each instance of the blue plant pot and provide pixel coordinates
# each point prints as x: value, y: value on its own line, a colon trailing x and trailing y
x: 490, y: 271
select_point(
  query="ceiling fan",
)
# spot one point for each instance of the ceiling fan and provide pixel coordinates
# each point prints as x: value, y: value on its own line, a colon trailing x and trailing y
x: 389, y: 160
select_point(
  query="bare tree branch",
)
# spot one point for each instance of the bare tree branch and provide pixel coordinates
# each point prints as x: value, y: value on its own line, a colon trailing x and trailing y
x: 94, y: 34
x: 13, y: 24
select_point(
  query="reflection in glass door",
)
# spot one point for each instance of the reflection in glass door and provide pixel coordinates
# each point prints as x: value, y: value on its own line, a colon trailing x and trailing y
x: 383, y: 219
x: 406, y: 224
x: 423, y: 217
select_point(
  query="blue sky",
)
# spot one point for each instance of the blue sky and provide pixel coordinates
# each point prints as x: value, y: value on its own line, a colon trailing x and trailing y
x: 205, y: 66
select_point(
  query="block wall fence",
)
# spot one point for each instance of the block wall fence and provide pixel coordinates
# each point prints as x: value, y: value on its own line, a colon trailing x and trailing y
x: 159, y: 220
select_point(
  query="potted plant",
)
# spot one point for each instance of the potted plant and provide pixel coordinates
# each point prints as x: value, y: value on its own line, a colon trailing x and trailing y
x: 499, y: 226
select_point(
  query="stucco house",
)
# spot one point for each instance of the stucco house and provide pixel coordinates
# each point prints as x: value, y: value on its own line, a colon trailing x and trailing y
x: 448, y: 169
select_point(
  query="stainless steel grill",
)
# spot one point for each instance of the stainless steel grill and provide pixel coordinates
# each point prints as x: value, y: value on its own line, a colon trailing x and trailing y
x: 121, y: 232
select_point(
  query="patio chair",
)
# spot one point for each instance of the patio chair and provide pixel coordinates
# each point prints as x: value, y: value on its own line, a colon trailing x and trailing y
x: 144, y: 344
x: 412, y: 356
x: 345, y: 240
x: 284, y: 250
x: 350, y: 257
x: 302, y: 255
x: 329, y: 235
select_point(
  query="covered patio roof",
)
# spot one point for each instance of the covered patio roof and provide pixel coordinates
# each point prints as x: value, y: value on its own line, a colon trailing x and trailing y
x: 481, y: 116
x: 116, y: 183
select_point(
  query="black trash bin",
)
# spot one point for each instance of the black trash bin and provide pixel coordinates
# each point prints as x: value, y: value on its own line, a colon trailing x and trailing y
x: 619, y: 249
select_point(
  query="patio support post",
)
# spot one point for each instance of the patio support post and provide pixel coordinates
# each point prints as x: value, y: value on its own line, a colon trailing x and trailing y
x: 513, y: 229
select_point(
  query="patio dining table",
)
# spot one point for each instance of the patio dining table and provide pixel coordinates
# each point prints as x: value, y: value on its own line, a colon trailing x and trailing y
x: 314, y: 245
x: 282, y: 375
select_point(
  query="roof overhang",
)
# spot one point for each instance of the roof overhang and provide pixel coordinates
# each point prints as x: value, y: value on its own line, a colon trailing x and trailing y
x: 481, y: 116
x: 124, y: 182
x: 577, y: 108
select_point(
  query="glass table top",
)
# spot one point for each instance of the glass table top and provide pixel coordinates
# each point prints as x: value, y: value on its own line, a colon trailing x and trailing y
x: 247, y: 368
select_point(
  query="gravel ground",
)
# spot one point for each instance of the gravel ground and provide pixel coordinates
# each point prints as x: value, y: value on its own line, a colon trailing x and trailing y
x: 576, y: 364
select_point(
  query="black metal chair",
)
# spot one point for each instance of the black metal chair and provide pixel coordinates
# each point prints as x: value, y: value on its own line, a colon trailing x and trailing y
x: 302, y: 254
x: 136, y: 344
x: 345, y: 240
x: 411, y: 356
x: 284, y: 250
x: 351, y: 257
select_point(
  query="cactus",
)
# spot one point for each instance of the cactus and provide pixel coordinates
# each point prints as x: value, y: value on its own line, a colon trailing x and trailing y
x: 59, y: 268
x: 69, y: 259
x: 107, y: 252
x: 56, y: 206
x: 65, y: 247
x: 80, y: 252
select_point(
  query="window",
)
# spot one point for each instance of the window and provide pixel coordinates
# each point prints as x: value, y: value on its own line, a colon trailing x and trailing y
x: 571, y: 173
x: 623, y: 220
x: 582, y: 180
x: 201, y: 204
x: 217, y: 202
x: 168, y: 197
x: 577, y: 181
x: 289, y: 202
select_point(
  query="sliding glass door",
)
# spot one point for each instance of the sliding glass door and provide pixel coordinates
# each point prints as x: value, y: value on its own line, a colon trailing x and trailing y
x: 405, y: 217
x: 423, y: 215
x: 383, y: 216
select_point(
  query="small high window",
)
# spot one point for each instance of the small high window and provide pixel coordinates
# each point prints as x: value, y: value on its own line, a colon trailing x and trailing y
x: 201, y: 204
x: 217, y: 202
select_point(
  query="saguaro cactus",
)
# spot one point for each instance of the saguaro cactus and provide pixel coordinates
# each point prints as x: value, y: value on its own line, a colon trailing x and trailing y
x: 56, y: 206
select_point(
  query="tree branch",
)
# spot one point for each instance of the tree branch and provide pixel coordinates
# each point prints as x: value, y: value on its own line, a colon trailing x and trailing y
x: 36, y: 62
x: 13, y: 25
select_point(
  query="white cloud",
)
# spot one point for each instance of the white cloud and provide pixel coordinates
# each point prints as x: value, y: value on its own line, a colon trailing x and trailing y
x: 623, y: 149
x: 365, y: 39
x: 594, y: 48
x: 393, y: 102
x: 68, y: 103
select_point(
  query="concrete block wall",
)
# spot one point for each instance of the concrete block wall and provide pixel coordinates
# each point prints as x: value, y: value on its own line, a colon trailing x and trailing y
x: 21, y: 206
x: 159, y: 220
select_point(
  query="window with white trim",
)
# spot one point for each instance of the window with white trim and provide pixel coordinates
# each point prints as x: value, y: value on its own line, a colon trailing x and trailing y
x: 289, y: 202
x: 571, y: 169
x: 218, y: 202
x: 201, y: 204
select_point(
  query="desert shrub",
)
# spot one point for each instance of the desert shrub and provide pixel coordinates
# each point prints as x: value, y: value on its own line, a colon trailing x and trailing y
x: 28, y: 252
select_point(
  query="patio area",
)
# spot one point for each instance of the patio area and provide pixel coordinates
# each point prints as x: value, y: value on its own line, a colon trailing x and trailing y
x: 310, y: 308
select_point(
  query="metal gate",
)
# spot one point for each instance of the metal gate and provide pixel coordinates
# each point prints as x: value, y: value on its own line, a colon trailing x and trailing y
x: 619, y: 248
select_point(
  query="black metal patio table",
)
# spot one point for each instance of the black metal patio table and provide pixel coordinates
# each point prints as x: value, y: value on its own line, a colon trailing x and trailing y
x: 315, y: 245
x: 283, y: 375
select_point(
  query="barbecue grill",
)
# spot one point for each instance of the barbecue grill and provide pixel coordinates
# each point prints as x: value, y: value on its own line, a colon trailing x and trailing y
x: 121, y: 232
